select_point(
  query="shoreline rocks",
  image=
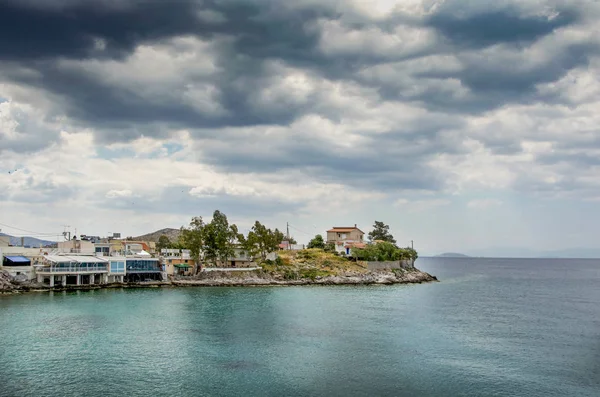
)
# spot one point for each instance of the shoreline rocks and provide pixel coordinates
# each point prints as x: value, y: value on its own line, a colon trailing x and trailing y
x: 239, y: 279
x: 381, y: 277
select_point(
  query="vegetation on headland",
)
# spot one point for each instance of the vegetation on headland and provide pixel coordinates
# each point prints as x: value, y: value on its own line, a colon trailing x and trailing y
x: 381, y: 232
x: 384, y: 251
x: 217, y: 240
x: 310, y: 263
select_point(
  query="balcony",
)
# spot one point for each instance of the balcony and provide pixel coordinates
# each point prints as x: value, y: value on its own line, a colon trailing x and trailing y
x: 91, y: 268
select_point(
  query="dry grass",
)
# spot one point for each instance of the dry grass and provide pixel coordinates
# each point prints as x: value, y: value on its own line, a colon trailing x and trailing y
x: 317, y: 260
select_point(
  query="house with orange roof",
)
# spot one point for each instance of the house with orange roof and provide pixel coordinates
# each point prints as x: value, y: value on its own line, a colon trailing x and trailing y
x: 344, y: 238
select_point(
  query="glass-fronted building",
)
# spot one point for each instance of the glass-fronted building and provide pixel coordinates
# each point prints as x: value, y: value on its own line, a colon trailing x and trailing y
x: 135, y: 269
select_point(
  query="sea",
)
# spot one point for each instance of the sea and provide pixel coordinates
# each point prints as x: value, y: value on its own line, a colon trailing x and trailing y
x: 490, y: 327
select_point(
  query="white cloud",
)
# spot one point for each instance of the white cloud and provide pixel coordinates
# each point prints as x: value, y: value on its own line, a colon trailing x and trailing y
x: 119, y: 193
x: 403, y: 41
x: 420, y: 205
x: 484, y: 203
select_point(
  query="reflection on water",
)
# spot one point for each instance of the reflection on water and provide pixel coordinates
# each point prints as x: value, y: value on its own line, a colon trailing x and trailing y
x: 491, y: 327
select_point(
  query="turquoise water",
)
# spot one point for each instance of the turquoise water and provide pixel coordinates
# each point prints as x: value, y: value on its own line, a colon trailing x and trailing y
x: 490, y: 328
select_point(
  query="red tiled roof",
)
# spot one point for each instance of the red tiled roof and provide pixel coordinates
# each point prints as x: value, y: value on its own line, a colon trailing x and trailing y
x: 344, y: 229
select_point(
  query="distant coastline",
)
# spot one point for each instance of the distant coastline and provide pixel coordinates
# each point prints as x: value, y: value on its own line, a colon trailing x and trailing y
x: 452, y: 255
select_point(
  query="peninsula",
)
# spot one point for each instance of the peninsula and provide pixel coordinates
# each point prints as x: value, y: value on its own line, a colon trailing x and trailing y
x: 304, y: 267
x: 212, y: 254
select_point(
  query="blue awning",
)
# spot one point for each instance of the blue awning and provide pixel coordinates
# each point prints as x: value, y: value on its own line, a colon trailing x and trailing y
x: 16, y: 261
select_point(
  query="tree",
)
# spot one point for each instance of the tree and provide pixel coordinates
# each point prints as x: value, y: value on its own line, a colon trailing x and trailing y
x: 410, y: 253
x: 163, y: 243
x: 261, y: 241
x: 381, y: 232
x: 219, y: 238
x: 317, y: 242
x: 192, y: 238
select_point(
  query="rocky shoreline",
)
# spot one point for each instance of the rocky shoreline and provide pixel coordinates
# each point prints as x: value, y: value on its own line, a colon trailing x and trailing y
x: 238, y: 279
x: 380, y: 277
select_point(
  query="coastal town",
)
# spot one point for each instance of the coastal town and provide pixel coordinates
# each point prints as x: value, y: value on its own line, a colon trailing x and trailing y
x: 200, y: 251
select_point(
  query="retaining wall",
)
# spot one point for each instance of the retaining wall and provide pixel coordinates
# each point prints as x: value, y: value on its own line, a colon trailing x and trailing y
x: 388, y: 265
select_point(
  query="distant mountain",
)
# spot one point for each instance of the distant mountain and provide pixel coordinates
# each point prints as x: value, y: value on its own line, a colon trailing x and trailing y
x: 28, y: 241
x: 172, y: 234
x: 452, y: 255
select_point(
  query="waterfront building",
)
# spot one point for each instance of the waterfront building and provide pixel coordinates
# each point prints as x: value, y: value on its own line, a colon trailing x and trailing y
x: 141, y: 268
x: 19, y: 267
x: 240, y: 258
x: 22, y: 267
x: 72, y: 270
x: 177, y: 261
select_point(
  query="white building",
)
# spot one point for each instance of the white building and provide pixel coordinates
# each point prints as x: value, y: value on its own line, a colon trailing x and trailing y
x: 72, y: 270
x: 76, y: 247
x: 19, y: 268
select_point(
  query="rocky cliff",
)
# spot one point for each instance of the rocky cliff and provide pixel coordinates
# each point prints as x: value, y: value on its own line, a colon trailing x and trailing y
x: 6, y: 282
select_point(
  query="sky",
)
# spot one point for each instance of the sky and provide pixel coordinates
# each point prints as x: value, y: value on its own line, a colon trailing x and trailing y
x: 463, y: 124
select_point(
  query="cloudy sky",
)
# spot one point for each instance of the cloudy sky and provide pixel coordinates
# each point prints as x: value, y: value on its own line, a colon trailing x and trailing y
x: 464, y: 124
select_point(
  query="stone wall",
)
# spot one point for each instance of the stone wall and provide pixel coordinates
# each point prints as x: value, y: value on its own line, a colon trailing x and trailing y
x: 388, y: 265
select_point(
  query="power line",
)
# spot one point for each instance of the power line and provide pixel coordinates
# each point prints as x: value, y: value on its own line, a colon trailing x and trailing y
x: 32, y: 234
x: 28, y: 231
x: 301, y: 231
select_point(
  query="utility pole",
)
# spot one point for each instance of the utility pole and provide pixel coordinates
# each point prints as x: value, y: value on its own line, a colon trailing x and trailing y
x: 287, y: 225
x: 66, y: 232
x: 412, y: 245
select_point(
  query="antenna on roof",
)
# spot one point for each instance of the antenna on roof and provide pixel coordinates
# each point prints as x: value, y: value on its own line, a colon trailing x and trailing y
x: 66, y: 232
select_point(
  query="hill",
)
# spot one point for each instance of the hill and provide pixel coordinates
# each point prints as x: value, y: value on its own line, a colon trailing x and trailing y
x: 28, y: 241
x: 172, y: 234
x: 452, y: 255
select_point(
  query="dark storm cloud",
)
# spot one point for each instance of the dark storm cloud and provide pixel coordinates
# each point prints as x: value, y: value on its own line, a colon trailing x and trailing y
x: 35, y: 34
x: 33, y: 31
x: 489, y: 47
x: 487, y: 28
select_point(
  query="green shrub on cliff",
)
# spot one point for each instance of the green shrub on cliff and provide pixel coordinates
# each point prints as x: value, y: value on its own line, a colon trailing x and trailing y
x: 384, y: 251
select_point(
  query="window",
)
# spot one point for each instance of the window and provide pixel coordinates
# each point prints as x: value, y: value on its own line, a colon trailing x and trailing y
x: 142, y: 265
x: 117, y: 267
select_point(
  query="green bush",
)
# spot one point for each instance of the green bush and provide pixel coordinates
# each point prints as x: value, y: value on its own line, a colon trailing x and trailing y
x: 383, y: 251
x: 289, y: 274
